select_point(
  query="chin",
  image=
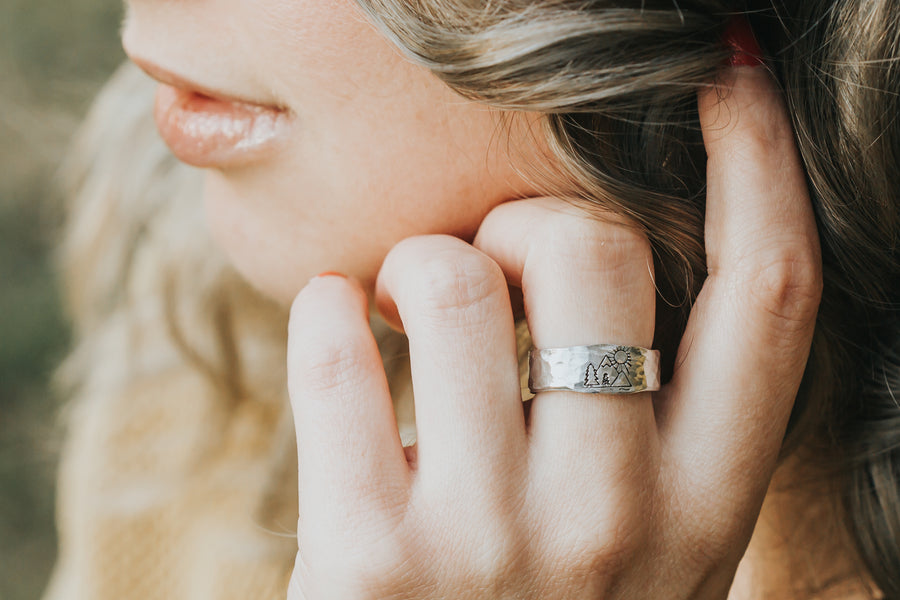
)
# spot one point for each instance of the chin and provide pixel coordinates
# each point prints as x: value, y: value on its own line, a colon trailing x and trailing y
x: 251, y: 250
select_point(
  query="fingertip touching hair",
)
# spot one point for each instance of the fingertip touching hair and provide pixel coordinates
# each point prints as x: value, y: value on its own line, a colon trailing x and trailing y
x: 617, y: 84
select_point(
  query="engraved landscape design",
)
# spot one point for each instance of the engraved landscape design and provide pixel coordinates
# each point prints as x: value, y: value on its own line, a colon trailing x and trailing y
x: 597, y: 369
x: 615, y: 371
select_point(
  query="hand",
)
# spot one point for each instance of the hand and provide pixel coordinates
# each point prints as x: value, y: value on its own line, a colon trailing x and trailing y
x: 641, y: 496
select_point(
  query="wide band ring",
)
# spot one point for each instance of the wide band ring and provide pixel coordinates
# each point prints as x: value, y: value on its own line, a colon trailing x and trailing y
x: 599, y: 369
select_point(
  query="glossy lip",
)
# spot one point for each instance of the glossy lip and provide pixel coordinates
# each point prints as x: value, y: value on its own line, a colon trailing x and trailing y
x: 168, y: 77
x: 208, y: 128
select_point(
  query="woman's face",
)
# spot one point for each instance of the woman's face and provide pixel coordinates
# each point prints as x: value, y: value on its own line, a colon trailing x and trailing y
x: 345, y: 147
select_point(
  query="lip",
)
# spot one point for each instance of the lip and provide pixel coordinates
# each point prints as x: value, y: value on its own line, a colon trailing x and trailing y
x: 207, y: 128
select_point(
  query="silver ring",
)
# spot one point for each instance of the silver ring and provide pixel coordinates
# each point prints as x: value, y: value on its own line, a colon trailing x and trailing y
x: 600, y: 369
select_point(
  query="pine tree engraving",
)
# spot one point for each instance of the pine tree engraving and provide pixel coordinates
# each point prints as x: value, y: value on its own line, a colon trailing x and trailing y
x: 590, y: 376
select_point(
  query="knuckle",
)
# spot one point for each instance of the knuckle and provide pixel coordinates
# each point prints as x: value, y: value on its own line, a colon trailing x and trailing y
x: 754, y: 145
x: 489, y: 564
x: 364, y: 567
x: 458, y: 281
x: 598, y: 245
x: 385, y: 561
x: 622, y: 537
x: 788, y: 288
x: 712, y: 538
x: 485, y: 542
x: 496, y: 555
x: 327, y: 362
x: 604, y: 550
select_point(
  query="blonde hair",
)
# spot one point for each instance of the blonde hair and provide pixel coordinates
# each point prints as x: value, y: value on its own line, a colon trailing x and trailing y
x: 617, y: 86
x: 181, y: 443
x: 176, y: 382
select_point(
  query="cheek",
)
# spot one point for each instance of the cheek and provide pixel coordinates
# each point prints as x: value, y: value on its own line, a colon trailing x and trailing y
x: 321, y: 53
x: 267, y: 237
x: 382, y: 151
x: 279, y: 232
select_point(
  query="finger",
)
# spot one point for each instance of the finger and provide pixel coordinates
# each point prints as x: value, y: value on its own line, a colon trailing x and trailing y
x: 351, y: 461
x: 455, y: 309
x: 742, y: 357
x: 585, y: 281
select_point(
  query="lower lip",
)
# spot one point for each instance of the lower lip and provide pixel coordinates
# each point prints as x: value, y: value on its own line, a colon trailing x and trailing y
x: 209, y: 132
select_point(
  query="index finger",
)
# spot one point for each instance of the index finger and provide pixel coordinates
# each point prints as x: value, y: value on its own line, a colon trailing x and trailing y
x: 743, y: 354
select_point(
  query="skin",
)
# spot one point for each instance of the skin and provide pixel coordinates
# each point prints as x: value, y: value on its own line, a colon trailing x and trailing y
x: 645, y: 496
x: 380, y: 149
x: 653, y: 495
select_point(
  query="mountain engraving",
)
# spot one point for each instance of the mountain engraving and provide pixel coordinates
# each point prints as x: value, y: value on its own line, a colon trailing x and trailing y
x: 611, y: 372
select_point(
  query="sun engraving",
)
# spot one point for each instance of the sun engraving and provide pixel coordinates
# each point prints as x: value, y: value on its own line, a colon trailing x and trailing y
x: 622, y: 356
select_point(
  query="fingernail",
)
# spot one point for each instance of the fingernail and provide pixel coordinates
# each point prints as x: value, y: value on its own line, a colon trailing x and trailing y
x: 739, y: 38
x: 331, y: 274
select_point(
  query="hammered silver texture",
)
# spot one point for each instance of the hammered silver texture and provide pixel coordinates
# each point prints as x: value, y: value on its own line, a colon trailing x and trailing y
x: 598, y: 369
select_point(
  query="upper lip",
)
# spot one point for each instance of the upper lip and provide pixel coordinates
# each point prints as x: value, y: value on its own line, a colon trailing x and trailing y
x: 169, y: 78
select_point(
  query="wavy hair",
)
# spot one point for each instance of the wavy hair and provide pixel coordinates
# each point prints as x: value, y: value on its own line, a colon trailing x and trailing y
x: 617, y: 83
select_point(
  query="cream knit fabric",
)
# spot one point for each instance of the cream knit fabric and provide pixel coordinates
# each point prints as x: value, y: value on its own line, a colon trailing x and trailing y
x: 178, y: 477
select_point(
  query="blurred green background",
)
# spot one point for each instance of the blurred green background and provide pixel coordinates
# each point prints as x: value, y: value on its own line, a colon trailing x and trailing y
x: 54, y: 55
